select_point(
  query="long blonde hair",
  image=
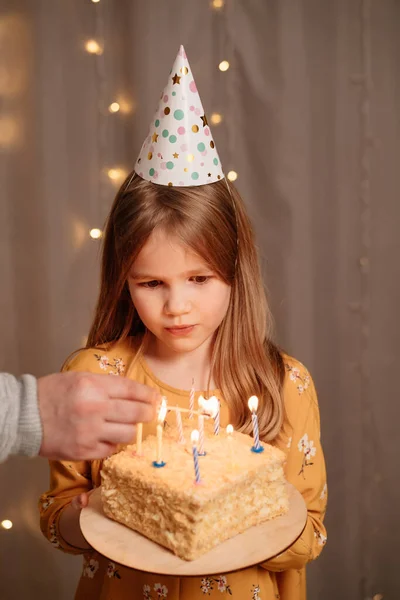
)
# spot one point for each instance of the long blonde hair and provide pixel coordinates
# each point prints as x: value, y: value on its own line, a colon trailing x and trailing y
x: 212, y: 221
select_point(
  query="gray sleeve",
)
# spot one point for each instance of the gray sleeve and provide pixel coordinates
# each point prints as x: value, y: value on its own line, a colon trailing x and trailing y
x: 20, y: 425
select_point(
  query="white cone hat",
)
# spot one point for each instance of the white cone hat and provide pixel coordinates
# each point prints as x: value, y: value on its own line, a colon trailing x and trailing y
x: 179, y: 149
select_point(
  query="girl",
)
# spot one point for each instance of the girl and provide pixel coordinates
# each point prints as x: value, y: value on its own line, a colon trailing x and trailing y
x: 182, y: 297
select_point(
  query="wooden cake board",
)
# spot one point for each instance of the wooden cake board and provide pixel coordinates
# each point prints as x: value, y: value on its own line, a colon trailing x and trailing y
x: 257, y: 544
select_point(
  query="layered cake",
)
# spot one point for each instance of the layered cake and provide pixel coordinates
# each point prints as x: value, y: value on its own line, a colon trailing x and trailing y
x: 191, y: 510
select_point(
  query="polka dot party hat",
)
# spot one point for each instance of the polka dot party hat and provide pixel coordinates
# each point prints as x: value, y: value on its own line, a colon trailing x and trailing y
x: 179, y: 150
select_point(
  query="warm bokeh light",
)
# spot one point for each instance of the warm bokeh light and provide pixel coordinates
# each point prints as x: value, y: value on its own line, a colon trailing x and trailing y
x: 223, y: 65
x: 93, y: 47
x: 6, y: 524
x: 95, y: 1
x: 216, y: 118
x: 10, y: 133
x: 116, y: 174
x: 95, y: 233
x: 217, y: 4
x: 114, y: 107
x: 232, y: 175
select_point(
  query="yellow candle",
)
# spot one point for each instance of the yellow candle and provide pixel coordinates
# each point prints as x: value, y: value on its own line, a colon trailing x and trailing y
x: 162, y: 413
x: 139, y: 437
x: 159, y: 443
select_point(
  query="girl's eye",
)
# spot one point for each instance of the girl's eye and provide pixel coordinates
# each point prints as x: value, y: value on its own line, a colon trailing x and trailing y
x: 151, y: 284
x: 201, y: 279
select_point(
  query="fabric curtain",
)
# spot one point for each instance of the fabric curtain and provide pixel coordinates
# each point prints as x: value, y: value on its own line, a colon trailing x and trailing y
x: 310, y: 122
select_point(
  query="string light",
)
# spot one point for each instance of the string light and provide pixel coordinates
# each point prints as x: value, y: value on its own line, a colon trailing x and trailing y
x: 6, y: 524
x: 95, y: 233
x: 232, y: 175
x: 116, y: 174
x: 217, y: 4
x: 216, y: 118
x: 114, y: 107
x: 223, y: 65
x: 93, y: 47
x: 9, y: 132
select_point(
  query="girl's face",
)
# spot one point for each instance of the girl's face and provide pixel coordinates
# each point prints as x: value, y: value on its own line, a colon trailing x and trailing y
x: 178, y: 297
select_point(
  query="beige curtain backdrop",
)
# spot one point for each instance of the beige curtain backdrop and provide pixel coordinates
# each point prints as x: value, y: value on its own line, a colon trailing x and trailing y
x: 311, y: 124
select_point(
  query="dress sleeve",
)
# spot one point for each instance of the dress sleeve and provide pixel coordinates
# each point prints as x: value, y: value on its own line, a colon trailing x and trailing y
x: 67, y: 478
x: 305, y: 469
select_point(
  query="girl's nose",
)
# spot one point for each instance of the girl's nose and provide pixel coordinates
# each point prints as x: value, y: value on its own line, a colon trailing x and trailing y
x: 177, y: 303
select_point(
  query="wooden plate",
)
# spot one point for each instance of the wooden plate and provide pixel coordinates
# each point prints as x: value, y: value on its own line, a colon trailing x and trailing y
x: 129, y: 548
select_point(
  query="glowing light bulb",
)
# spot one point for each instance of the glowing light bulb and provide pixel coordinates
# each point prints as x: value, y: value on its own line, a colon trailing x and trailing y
x: 9, y: 132
x: 217, y: 4
x: 116, y: 174
x: 114, y: 107
x: 6, y: 524
x: 95, y: 233
x: 223, y: 65
x: 95, y: 1
x: 232, y: 175
x: 216, y: 118
x: 93, y: 47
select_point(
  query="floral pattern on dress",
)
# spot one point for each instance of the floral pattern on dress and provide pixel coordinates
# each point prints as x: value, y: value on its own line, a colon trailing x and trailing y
x: 307, y: 447
x: 320, y: 537
x: 112, y: 571
x: 90, y: 567
x: 114, y: 367
x: 161, y: 592
x: 255, y: 592
x: 207, y: 585
x: 53, y: 537
x: 46, y: 502
x: 301, y: 379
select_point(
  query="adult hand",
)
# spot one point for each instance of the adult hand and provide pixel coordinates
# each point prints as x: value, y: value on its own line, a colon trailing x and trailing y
x: 85, y: 416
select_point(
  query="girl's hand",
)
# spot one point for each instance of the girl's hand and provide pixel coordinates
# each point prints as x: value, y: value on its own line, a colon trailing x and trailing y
x: 81, y: 501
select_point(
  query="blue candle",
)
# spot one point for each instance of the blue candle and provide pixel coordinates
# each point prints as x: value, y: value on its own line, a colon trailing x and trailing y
x: 195, y: 439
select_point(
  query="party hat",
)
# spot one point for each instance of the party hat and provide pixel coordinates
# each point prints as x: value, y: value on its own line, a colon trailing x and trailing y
x: 179, y: 149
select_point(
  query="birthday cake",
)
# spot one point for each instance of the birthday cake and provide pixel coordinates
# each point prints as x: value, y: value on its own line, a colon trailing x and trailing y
x: 192, y: 504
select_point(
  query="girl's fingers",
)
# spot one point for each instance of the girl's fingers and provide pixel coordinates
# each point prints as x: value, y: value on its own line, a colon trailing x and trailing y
x: 80, y: 501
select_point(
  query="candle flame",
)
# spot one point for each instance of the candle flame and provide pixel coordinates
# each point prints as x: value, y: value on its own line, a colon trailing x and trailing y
x: 162, y: 413
x: 209, y: 407
x: 194, y: 436
x: 253, y: 403
x: 229, y: 429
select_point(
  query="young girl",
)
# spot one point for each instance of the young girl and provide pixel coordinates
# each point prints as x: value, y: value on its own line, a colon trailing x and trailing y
x: 182, y: 297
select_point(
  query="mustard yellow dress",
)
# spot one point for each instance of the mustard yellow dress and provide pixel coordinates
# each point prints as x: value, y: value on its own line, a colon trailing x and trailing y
x: 282, y: 577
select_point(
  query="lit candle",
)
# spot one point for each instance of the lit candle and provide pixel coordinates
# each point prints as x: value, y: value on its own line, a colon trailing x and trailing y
x: 162, y: 413
x: 139, y: 437
x: 195, y: 439
x: 179, y: 426
x: 191, y: 400
x: 253, y: 404
x: 211, y: 408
